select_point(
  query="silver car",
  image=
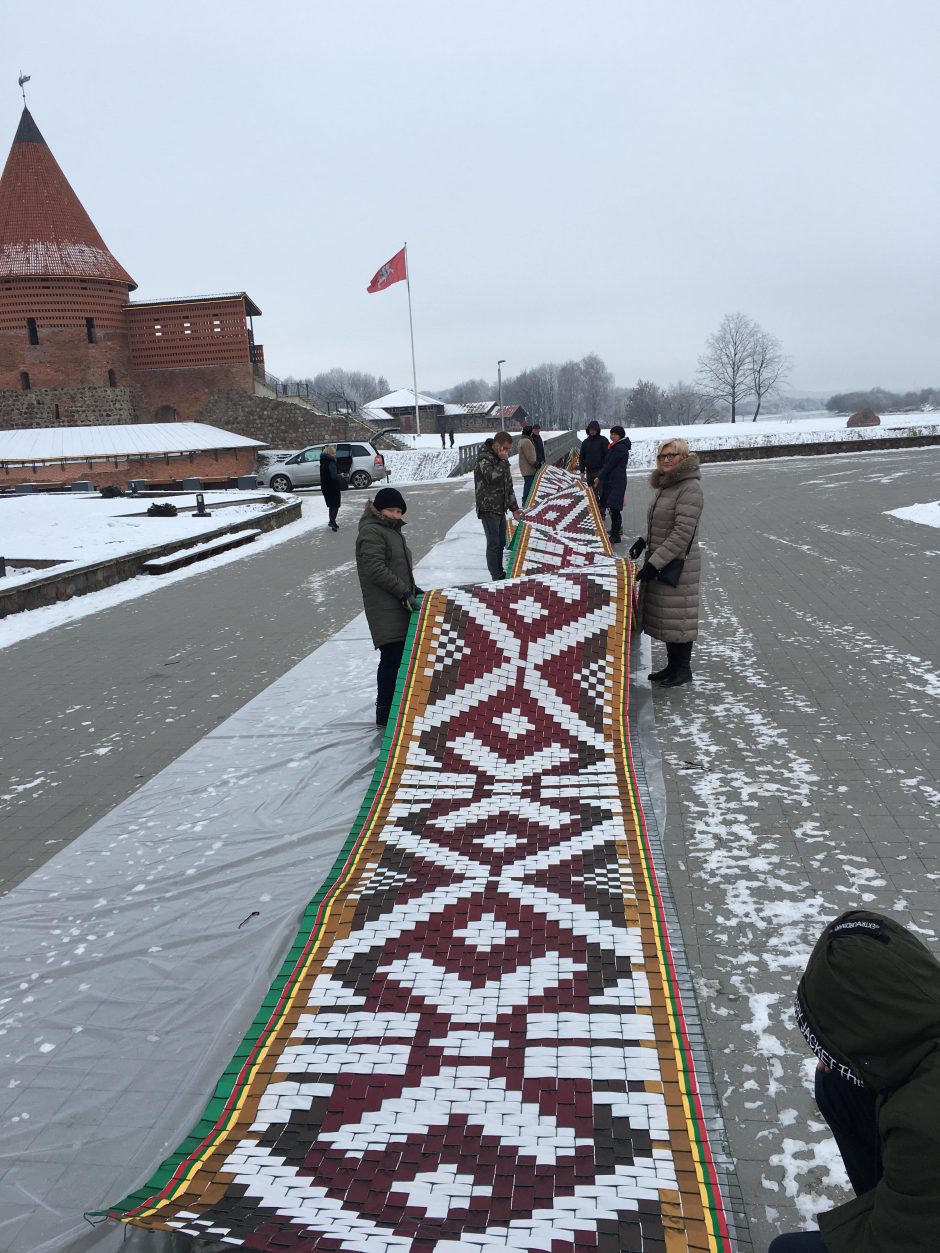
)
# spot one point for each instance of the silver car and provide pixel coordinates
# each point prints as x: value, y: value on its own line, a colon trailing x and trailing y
x: 360, y: 462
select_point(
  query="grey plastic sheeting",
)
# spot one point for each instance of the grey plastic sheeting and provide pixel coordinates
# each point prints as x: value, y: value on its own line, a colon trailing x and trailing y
x: 136, y: 958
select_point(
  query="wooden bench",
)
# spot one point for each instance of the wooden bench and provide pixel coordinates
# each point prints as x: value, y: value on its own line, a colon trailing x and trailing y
x: 186, y: 556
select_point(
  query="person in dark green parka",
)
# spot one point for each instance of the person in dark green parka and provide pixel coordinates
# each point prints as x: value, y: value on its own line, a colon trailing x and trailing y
x: 869, y: 1008
x: 389, y: 591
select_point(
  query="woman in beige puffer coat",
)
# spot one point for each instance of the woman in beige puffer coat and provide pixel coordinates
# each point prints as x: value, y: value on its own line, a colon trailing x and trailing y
x: 670, y: 613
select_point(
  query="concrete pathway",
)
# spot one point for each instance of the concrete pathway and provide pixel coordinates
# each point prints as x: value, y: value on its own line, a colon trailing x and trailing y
x: 802, y: 770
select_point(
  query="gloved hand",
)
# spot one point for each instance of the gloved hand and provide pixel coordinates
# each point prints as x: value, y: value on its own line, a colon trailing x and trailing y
x: 648, y: 572
x: 410, y: 601
x: 419, y: 591
x: 637, y: 547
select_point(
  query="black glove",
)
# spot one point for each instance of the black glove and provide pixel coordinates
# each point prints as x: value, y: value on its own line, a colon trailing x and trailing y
x: 648, y: 572
x: 637, y: 547
x: 410, y: 601
x: 419, y: 591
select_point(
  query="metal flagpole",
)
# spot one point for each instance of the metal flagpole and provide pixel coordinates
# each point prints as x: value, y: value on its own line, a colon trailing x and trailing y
x: 411, y: 328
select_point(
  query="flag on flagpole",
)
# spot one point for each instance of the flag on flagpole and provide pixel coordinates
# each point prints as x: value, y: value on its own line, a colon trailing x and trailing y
x: 391, y: 272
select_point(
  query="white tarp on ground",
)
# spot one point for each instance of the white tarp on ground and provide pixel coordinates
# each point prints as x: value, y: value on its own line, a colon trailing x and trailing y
x: 133, y: 439
x: 136, y: 958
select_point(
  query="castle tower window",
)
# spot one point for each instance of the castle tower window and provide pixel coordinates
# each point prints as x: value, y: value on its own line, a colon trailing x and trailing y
x: 90, y: 330
x: 32, y: 330
x: 24, y: 380
x: 112, y: 379
x: 57, y: 418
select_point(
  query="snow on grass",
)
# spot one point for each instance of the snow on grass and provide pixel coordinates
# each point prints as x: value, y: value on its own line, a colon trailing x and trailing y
x: 78, y: 529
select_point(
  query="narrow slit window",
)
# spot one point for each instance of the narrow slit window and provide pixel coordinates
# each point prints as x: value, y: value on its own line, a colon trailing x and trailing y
x: 90, y: 330
x: 112, y: 379
x: 32, y: 330
x: 24, y: 380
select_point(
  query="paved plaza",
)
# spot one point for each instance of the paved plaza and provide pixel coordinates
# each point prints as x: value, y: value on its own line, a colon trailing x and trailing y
x: 801, y: 772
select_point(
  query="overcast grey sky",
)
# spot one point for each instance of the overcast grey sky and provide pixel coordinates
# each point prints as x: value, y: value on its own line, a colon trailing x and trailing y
x: 607, y: 176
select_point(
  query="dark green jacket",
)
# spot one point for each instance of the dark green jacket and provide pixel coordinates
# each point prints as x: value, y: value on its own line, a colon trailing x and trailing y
x: 383, y: 563
x: 871, y: 996
x: 492, y: 481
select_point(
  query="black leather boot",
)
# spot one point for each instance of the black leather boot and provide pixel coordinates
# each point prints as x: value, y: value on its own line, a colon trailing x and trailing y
x: 381, y: 715
x: 668, y: 669
x: 683, y: 671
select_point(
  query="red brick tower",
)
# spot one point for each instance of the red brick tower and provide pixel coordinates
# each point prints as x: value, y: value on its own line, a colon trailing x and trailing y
x: 64, y: 353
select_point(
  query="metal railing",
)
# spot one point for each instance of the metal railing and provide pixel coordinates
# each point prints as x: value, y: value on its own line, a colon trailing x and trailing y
x: 557, y: 447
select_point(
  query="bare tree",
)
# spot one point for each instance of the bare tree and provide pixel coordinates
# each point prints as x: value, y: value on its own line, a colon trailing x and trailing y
x: 769, y: 366
x: 596, y: 382
x: 725, y: 366
x: 684, y: 405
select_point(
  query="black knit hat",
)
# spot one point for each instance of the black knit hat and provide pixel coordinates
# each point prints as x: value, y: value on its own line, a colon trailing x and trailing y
x: 389, y: 498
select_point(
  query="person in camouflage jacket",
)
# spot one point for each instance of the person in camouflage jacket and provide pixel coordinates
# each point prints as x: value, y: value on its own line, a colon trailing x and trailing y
x: 495, y: 497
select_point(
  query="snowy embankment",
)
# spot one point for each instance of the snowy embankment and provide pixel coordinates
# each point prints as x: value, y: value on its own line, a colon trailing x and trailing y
x: 808, y: 428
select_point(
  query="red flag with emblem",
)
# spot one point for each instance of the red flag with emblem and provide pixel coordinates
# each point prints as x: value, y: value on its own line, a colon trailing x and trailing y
x: 391, y: 272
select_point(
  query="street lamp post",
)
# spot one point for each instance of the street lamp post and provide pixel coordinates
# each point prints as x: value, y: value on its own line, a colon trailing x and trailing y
x: 499, y: 374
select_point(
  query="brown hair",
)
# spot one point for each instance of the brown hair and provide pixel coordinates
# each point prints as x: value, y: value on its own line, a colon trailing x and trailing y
x: 501, y: 439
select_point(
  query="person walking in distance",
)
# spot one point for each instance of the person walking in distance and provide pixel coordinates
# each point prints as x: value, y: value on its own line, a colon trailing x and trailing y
x: 611, y: 482
x: 593, y: 452
x: 668, y: 602
x: 331, y: 484
x: 389, y: 591
x: 495, y: 497
x: 528, y: 462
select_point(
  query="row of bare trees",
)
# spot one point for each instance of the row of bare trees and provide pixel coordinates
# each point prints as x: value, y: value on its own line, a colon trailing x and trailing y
x: 741, y: 362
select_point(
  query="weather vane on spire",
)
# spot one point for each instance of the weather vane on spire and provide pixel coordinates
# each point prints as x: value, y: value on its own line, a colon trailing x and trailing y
x: 23, y: 80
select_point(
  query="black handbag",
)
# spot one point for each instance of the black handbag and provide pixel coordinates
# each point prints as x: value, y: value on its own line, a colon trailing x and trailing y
x: 671, y: 573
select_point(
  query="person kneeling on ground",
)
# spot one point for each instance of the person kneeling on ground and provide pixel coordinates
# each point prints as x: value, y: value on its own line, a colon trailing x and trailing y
x: 495, y: 497
x: 868, y: 1006
x: 389, y: 591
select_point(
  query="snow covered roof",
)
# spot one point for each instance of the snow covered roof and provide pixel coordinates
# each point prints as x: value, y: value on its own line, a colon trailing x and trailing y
x: 44, y: 230
x: 76, y: 443
x: 404, y: 396
x: 370, y: 413
x: 455, y: 411
x: 481, y: 406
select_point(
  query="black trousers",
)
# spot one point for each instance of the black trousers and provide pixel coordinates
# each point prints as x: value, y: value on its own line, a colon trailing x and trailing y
x: 494, y: 527
x: 527, y: 481
x: 390, y: 656
x: 616, y: 520
x: 850, y: 1112
x: 333, y: 502
x: 798, y: 1242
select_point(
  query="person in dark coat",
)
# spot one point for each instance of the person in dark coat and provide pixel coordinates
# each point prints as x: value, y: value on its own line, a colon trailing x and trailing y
x: 331, y: 485
x: 593, y: 452
x: 670, y: 612
x: 611, y: 482
x: 868, y: 1006
x: 539, y: 445
x: 389, y: 591
x: 528, y: 466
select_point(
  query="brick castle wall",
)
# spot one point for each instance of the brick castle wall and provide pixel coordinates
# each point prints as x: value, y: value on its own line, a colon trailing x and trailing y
x: 77, y: 406
x: 278, y: 423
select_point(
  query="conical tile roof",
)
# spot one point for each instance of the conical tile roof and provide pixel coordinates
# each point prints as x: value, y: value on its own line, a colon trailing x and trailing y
x: 44, y: 231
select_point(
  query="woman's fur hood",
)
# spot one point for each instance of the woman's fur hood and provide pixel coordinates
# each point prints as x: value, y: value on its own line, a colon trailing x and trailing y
x: 688, y: 468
